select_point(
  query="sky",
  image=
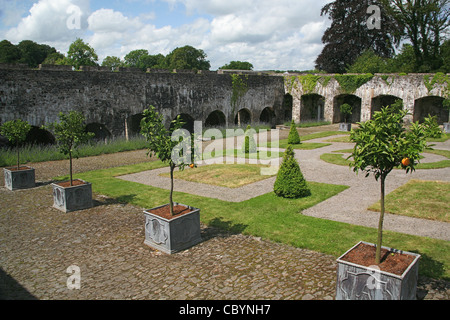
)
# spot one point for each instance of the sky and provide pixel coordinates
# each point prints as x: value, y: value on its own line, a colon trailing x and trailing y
x: 270, y: 34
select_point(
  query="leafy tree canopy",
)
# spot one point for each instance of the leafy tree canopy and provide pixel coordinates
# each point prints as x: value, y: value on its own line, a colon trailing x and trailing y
x: 238, y: 65
x: 81, y: 54
x: 187, y: 57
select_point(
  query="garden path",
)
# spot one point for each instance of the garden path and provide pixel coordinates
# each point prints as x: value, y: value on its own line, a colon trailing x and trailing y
x: 349, y: 206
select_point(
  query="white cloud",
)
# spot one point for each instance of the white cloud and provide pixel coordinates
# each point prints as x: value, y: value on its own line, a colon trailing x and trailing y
x: 47, y: 22
x: 282, y: 34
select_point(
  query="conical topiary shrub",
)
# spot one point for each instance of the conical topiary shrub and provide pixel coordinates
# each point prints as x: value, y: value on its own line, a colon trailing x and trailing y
x: 294, y: 137
x: 290, y: 182
x: 249, y: 145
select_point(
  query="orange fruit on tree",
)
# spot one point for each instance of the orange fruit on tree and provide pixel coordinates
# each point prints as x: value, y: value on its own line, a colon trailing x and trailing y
x: 406, y: 162
x: 191, y: 165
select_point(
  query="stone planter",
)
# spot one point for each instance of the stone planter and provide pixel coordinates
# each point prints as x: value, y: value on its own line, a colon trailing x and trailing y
x: 345, y: 126
x: 446, y: 127
x: 357, y: 282
x: 19, y: 179
x: 171, y: 235
x: 72, y: 198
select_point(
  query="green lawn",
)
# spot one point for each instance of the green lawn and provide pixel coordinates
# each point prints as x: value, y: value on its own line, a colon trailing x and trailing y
x: 419, y: 199
x: 274, y: 218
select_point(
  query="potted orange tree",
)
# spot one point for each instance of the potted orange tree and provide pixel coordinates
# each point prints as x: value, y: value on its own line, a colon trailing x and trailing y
x: 70, y: 132
x: 18, y: 177
x: 172, y: 227
x: 371, y: 271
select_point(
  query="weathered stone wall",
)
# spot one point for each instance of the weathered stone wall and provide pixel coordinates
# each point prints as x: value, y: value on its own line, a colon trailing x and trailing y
x: 409, y: 88
x: 110, y: 98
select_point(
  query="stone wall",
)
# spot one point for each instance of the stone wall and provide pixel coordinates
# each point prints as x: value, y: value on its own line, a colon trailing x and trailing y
x: 112, y: 98
x: 412, y: 89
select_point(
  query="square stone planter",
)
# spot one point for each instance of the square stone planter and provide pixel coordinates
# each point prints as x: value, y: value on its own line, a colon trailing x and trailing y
x: 72, y: 198
x: 19, y: 179
x: 357, y: 282
x: 174, y: 234
x: 345, y: 126
x: 446, y: 127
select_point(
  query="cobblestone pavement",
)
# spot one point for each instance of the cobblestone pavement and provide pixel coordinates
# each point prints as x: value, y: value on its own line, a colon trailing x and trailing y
x: 38, y: 243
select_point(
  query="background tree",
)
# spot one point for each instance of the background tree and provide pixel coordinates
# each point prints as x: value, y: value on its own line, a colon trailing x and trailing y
x: 70, y: 132
x: 422, y: 22
x: 56, y: 58
x: 349, y: 36
x: 112, y: 62
x: 382, y: 144
x: 187, y: 57
x: 368, y: 62
x: 33, y: 54
x: 238, y: 65
x: 16, y: 132
x: 143, y: 60
x: 81, y: 54
x: 9, y: 53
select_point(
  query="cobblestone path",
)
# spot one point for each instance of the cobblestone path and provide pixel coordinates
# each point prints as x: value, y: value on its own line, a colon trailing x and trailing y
x: 38, y: 244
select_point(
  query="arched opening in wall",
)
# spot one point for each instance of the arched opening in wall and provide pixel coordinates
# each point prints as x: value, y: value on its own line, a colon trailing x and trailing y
x: 99, y: 130
x: 287, y: 107
x: 382, y: 101
x: 267, y: 116
x: 216, y: 119
x: 39, y: 136
x: 313, y: 108
x: 352, y: 100
x: 432, y: 106
x: 188, y: 122
x: 243, y: 118
x: 133, y: 125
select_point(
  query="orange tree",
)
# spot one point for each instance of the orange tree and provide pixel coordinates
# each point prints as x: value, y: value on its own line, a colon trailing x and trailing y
x: 173, y: 146
x: 382, y: 144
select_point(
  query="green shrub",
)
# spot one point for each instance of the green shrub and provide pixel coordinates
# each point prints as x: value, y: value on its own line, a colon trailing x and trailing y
x: 290, y: 182
x: 249, y: 145
x: 432, y: 127
x: 294, y: 137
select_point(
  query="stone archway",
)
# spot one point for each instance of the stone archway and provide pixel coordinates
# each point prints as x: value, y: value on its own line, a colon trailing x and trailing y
x: 267, y: 116
x: 100, y: 131
x: 352, y: 100
x: 288, y: 101
x: 382, y: 101
x: 188, y: 122
x: 216, y: 119
x: 312, y: 107
x: 133, y: 125
x: 432, y: 105
x: 243, y: 117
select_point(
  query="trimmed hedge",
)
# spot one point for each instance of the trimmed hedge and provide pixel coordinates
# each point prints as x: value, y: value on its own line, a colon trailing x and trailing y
x: 290, y: 182
x: 294, y: 137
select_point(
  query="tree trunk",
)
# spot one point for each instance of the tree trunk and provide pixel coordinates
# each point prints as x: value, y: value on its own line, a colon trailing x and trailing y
x: 172, y: 168
x: 18, y: 154
x: 70, y: 168
x: 380, y: 223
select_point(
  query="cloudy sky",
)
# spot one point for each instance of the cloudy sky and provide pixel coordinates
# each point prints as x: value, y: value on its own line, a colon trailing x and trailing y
x: 280, y: 35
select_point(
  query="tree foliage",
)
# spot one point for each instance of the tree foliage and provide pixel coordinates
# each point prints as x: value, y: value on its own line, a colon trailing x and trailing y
x: 238, y: 65
x: 422, y: 22
x: 143, y: 60
x: 293, y: 137
x: 70, y: 133
x: 249, y: 145
x: 16, y: 132
x: 290, y: 182
x: 186, y: 57
x: 27, y: 52
x: 81, y: 54
x: 172, y: 146
x: 349, y: 36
